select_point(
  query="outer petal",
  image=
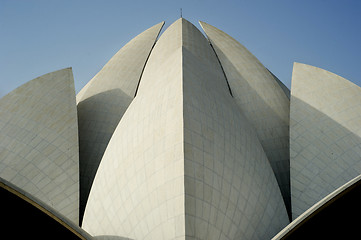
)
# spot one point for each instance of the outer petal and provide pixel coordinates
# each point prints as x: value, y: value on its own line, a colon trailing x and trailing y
x: 325, y: 134
x: 103, y: 101
x: 39, y: 141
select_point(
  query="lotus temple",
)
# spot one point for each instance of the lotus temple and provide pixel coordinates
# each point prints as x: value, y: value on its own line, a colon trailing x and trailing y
x: 182, y: 135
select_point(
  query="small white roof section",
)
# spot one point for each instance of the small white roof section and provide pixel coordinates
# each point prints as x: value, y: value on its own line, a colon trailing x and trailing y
x: 316, y: 207
x: 45, y: 208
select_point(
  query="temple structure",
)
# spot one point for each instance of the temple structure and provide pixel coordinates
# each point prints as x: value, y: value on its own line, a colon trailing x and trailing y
x: 181, y: 136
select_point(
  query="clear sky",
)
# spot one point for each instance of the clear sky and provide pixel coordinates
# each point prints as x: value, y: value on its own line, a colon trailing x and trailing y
x: 41, y: 36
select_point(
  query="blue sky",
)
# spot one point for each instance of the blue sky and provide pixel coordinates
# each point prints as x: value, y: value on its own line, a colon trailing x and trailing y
x: 40, y: 36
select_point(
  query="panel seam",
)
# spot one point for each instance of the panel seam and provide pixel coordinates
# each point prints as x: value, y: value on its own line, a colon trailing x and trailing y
x: 146, y: 61
x: 220, y: 64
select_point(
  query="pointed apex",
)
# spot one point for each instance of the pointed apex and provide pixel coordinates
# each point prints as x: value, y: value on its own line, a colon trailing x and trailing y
x: 203, y: 24
x: 181, y: 19
x: 161, y: 24
x: 210, y: 30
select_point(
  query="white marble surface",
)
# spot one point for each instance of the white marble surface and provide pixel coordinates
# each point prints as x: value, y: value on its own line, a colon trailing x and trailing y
x: 262, y: 98
x: 183, y: 162
x: 39, y: 141
x: 325, y: 134
x: 103, y: 101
